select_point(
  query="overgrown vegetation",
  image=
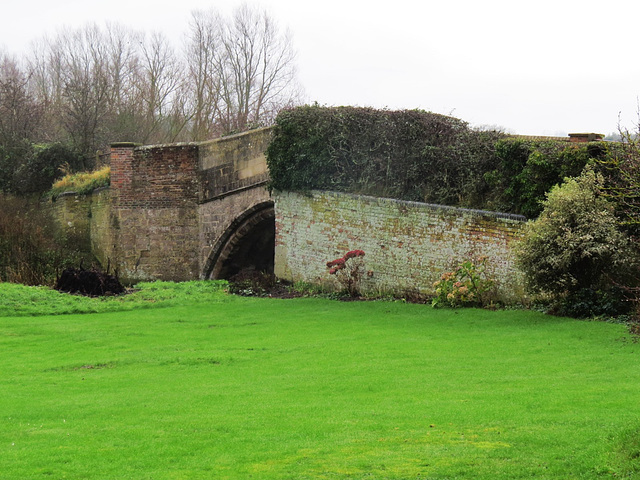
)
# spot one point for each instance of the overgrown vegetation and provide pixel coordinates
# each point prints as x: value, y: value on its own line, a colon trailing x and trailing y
x: 621, y: 170
x: 410, y: 154
x: 32, y: 250
x: 526, y: 170
x: 82, y: 183
x: 28, y: 169
x: 582, y: 252
x: 575, y: 252
x: 418, y: 156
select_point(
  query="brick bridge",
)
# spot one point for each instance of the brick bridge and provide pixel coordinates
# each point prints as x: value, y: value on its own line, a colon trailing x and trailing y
x: 192, y: 210
x: 202, y: 210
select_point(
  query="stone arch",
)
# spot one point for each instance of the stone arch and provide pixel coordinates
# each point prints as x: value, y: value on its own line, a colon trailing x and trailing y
x: 248, y: 242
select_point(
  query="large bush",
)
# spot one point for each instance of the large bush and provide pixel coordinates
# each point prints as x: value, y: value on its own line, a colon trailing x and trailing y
x: 11, y: 158
x: 526, y: 170
x: 621, y: 170
x: 409, y: 154
x: 31, y: 249
x: 27, y: 169
x: 576, y: 245
x: 46, y: 163
x: 420, y: 156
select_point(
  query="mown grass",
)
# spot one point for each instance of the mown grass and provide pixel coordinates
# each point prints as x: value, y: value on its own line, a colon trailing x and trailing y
x: 19, y: 300
x: 316, y: 389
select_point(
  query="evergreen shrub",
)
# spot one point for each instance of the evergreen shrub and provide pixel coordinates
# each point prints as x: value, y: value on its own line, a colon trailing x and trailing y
x: 45, y: 163
x: 32, y: 251
x: 419, y: 156
x: 576, y: 247
x: 526, y: 170
x: 408, y: 154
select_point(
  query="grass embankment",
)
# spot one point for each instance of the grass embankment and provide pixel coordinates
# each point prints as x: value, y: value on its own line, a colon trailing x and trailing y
x: 316, y: 389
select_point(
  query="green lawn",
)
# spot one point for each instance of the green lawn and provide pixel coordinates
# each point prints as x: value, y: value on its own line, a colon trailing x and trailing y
x: 316, y: 389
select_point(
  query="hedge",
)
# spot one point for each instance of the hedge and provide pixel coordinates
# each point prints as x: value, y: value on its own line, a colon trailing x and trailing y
x: 407, y: 154
x: 419, y: 156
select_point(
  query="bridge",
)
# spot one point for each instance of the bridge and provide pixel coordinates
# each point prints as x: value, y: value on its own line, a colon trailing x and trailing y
x: 190, y: 210
x: 203, y: 210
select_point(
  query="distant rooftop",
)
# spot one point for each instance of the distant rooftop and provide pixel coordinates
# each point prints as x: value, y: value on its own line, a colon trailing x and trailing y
x: 573, y: 137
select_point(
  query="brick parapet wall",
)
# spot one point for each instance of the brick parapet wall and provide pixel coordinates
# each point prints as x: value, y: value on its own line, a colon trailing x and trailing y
x: 408, y: 245
x: 172, y: 202
x: 154, y: 217
x: 159, y: 176
x: 121, y: 161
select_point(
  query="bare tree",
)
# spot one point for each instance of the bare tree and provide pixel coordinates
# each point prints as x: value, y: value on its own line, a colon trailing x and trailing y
x: 20, y: 114
x: 98, y: 85
x: 261, y: 70
x: 204, y: 44
x: 20, y: 119
x: 46, y: 78
x: 159, y: 87
x: 242, y: 70
x: 85, y: 78
x: 121, y: 63
x: 84, y: 75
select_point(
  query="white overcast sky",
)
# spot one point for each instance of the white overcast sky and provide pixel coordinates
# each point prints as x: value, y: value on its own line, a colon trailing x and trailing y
x: 545, y: 67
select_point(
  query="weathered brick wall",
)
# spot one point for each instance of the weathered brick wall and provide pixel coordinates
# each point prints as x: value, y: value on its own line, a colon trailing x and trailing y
x: 408, y: 245
x: 155, y: 211
x: 121, y: 161
x: 156, y: 176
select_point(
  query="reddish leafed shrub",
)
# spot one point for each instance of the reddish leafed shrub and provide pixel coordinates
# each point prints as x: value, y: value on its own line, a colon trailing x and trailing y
x: 348, y: 271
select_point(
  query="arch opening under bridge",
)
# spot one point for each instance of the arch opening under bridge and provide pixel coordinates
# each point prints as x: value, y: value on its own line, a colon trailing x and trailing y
x: 247, y: 244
